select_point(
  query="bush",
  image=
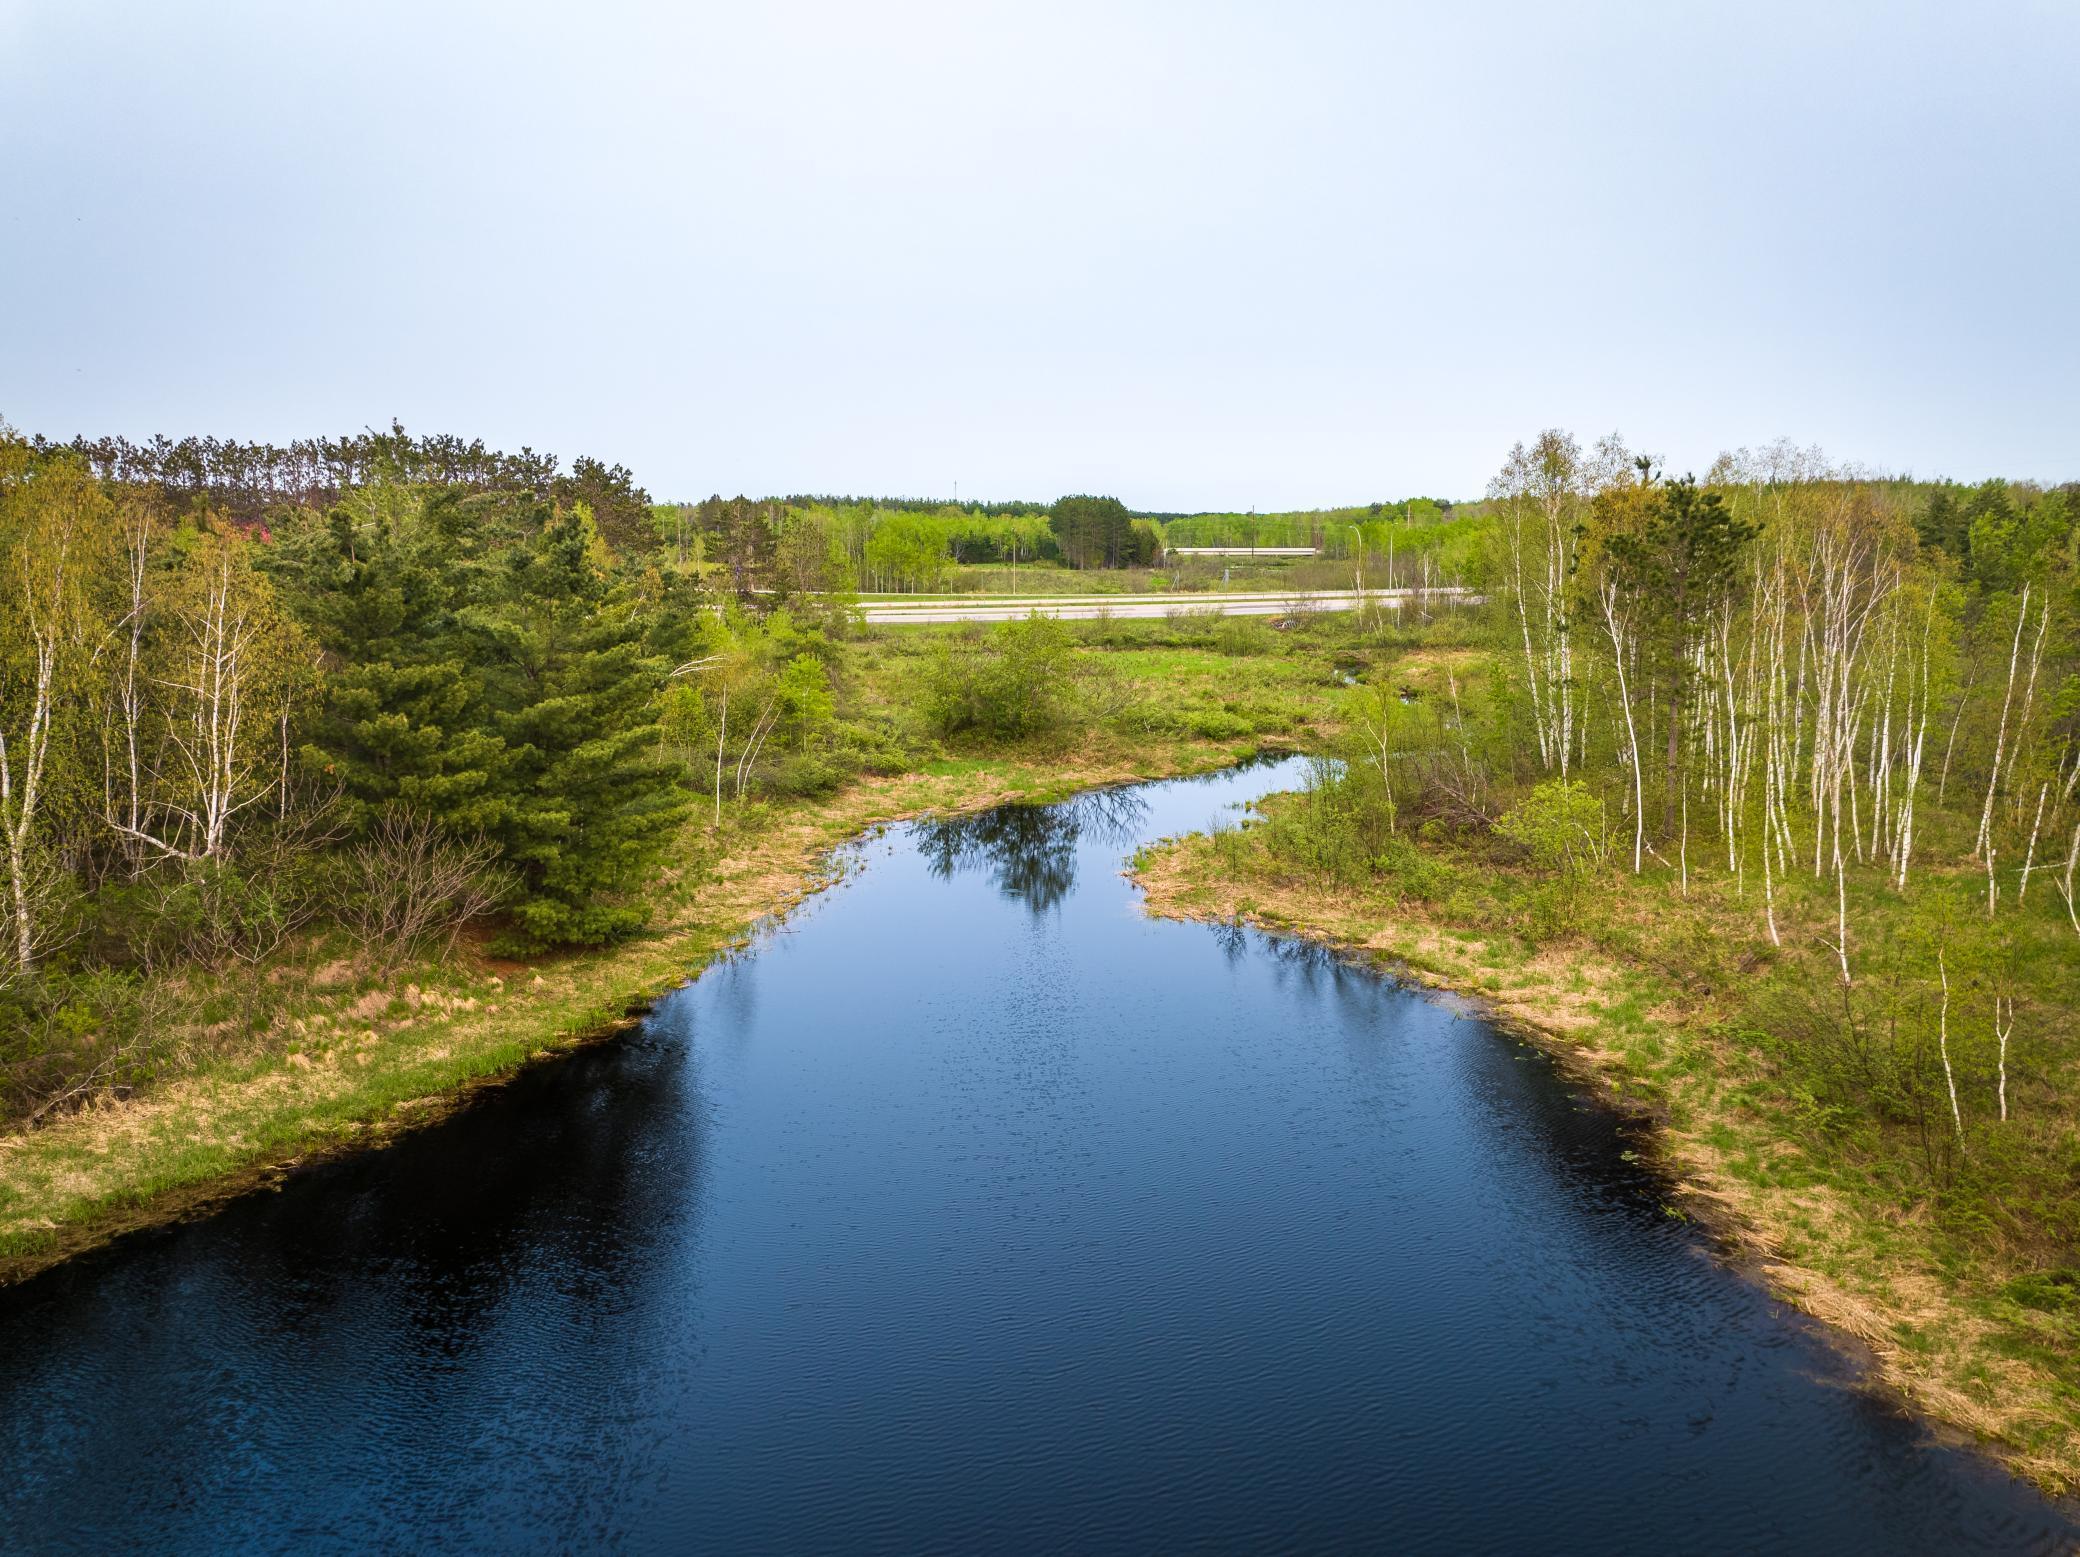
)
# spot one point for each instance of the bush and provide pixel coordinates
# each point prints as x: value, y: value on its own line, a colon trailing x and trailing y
x: 1414, y: 871
x: 407, y: 887
x: 1244, y: 636
x: 1562, y: 826
x: 1217, y: 724
x: 63, y: 1039
x: 212, y: 912
x: 799, y: 775
x: 1338, y: 826
x: 1012, y: 682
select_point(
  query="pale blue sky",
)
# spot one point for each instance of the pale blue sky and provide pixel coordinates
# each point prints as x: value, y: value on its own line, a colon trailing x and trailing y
x: 1199, y: 255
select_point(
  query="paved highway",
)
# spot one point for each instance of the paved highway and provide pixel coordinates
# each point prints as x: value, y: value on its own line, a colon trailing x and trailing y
x: 1002, y: 608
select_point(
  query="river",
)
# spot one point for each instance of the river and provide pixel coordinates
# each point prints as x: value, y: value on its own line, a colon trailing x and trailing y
x: 971, y: 1210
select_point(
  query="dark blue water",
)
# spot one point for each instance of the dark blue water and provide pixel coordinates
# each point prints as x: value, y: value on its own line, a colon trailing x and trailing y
x: 975, y: 1212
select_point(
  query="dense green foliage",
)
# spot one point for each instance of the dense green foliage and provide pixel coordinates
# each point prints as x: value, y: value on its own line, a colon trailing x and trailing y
x: 1328, y: 529
x: 1012, y: 681
x: 1098, y: 532
x: 487, y: 671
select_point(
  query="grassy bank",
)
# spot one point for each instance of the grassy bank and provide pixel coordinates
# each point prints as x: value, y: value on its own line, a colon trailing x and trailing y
x: 364, y: 1057
x: 319, y: 1051
x: 1669, y: 998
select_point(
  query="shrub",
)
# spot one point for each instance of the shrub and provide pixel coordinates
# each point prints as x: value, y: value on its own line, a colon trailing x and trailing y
x: 1338, y: 826
x: 64, y: 1039
x: 1562, y: 826
x: 407, y: 887
x: 1011, y: 682
x: 213, y: 912
x: 1245, y: 636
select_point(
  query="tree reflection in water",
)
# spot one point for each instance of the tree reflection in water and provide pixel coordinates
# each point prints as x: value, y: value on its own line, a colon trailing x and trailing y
x: 1029, y: 851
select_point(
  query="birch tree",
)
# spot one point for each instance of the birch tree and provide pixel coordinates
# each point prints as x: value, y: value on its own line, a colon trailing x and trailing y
x: 52, y: 527
x: 1539, y: 497
x: 220, y: 680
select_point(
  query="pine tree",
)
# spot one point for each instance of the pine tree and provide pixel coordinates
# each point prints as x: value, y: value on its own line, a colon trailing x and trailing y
x: 401, y: 726
x: 1678, y: 566
x: 576, y: 698
x: 1098, y: 532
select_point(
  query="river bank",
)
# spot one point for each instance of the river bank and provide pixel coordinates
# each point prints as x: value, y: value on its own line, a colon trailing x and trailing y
x: 972, y: 1211
x: 1932, y: 1334
x: 371, y: 1058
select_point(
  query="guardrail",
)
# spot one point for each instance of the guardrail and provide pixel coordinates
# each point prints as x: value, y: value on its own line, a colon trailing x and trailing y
x: 1242, y: 551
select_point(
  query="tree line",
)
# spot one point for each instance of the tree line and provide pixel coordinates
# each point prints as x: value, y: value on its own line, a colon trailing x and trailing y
x: 897, y: 548
x: 902, y: 547
x: 420, y: 687
x: 1333, y: 531
x: 1851, y: 703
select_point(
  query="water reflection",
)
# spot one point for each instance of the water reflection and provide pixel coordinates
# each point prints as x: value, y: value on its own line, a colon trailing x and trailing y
x: 345, y: 1336
x: 1029, y: 851
x: 1082, y: 1232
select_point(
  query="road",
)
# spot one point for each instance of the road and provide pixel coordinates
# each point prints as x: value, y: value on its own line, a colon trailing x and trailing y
x: 1004, y: 608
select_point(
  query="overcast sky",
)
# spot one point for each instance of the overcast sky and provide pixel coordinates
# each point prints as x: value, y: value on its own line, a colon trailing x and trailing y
x: 1197, y: 255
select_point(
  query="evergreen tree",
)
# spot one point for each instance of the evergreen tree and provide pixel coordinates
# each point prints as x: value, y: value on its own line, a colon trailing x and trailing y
x: 1098, y: 532
x: 401, y: 726
x: 1943, y: 523
x: 619, y: 508
x: 1678, y: 565
x: 2013, y: 537
x: 576, y: 697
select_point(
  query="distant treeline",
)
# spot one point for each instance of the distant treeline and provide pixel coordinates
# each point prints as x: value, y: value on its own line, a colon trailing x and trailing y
x: 902, y: 546
x: 248, y: 484
x: 891, y: 542
x: 1329, y: 530
x: 918, y: 505
x: 892, y: 549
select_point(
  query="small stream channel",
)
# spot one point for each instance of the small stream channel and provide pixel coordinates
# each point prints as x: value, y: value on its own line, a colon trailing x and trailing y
x: 974, y: 1211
